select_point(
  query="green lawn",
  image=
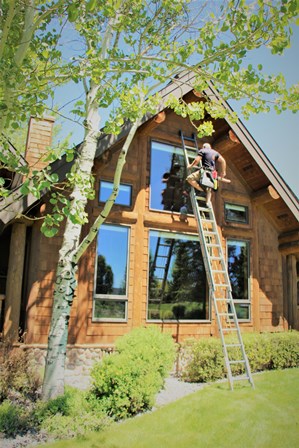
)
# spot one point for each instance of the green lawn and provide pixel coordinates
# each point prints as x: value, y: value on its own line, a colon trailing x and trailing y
x: 264, y: 417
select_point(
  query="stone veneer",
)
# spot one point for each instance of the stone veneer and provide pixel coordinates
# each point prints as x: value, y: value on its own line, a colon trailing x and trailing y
x: 79, y: 360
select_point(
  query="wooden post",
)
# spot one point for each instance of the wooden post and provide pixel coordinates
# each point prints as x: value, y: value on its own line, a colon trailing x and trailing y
x: 14, y: 282
x: 292, y: 291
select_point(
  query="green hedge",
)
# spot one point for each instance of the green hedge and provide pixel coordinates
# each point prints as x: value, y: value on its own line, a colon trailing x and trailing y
x: 126, y: 382
x: 202, y: 360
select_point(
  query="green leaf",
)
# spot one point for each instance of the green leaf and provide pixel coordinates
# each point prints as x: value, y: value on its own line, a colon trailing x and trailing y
x: 73, y: 12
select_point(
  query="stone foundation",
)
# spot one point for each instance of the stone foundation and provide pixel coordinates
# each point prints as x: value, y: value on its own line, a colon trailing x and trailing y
x: 79, y: 361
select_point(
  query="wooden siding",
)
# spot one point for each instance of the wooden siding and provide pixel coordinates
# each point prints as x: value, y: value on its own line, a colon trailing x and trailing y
x: 262, y: 231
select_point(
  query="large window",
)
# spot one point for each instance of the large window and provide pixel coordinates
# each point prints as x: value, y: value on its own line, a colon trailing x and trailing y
x: 169, y: 189
x: 238, y: 268
x: 110, y: 295
x: 177, y: 279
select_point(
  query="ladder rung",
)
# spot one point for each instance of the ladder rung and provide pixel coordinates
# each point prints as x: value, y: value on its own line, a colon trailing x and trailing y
x: 226, y: 285
x: 215, y: 258
x: 205, y: 209
x: 213, y: 245
x: 239, y: 361
x: 209, y: 232
x: 226, y: 314
x: 230, y: 329
x: 218, y: 271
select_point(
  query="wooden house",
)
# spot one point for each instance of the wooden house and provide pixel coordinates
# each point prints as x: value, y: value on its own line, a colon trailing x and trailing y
x: 145, y: 267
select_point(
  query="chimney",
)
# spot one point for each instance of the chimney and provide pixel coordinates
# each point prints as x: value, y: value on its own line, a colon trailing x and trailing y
x: 39, y: 138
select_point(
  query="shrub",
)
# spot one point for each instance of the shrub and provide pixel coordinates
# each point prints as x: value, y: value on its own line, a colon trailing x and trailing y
x: 69, y: 415
x: 127, y: 381
x: 284, y: 350
x: 17, y: 375
x: 12, y: 419
x: 202, y: 360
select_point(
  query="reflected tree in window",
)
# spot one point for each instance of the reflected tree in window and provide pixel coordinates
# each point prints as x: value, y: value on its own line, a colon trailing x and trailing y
x: 238, y: 268
x: 104, y: 277
x: 177, y: 280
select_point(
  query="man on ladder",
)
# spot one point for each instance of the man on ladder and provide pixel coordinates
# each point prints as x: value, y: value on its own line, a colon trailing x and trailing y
x: 206, y: 177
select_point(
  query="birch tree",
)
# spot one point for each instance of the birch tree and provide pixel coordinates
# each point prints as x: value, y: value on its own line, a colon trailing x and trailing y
x: 125, y: 52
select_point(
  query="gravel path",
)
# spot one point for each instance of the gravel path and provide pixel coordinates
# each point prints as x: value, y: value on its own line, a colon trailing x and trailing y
x: 174, y: 389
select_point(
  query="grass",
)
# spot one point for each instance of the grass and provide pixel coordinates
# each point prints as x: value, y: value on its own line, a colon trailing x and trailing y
x: 264, y: 417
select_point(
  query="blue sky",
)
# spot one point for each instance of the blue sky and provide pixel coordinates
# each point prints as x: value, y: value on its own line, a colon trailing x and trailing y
x: 275, y: 134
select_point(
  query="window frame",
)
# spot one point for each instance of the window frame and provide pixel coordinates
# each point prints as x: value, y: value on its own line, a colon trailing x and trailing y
x: 113, y: 297
x: 121, y: 184
x: 179, y: 151
x: 236, y: 221
x: 208, y: 295
x: 247, y: 302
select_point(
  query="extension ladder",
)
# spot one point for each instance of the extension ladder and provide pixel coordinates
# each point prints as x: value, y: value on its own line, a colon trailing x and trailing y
x: 236, y: 362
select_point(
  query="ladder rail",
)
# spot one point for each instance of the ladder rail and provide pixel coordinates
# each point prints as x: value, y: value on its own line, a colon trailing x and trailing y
x: 209, y: 240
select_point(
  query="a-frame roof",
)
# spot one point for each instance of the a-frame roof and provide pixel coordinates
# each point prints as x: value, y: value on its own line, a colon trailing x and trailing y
x: 181, y: 86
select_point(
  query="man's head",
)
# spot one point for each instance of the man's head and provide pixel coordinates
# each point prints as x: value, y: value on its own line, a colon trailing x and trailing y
x: 206, y: 146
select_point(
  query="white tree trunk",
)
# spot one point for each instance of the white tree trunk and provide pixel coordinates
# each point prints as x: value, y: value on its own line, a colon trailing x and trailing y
x: 65, y: 284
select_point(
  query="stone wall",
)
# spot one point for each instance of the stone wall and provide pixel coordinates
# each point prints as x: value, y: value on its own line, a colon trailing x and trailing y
x: 79, y: 361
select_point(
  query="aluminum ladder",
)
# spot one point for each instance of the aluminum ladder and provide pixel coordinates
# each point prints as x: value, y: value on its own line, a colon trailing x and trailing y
x: 220, y: 290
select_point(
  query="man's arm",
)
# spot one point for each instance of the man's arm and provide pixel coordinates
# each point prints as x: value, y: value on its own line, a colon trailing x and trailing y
x: 222, y: 164
x: 195, y: 162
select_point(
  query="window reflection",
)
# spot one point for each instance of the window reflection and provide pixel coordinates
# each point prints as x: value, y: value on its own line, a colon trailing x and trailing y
x: 124, y: 194
x: 111, y: 273
x: 238, y: 268
x: 177, y: 280
x: 236, y: 213
x: 169, y: 189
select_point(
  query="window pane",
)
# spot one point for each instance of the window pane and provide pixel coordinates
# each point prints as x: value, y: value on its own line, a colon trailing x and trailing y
x: 109, y: 309
x: 177, y: 280
x: 236, y: 213
x: 124, y: 193
x: 169, y: 190
x: 112, y: 254
x: 238, y: 268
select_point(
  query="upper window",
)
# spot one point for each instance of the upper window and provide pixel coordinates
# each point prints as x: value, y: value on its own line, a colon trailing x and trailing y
x: 110, y: 295
x: 177, y: 279
x: 238, y: 269
x: 169, y: 189
x: 124, y: 196
x: 236, y: 213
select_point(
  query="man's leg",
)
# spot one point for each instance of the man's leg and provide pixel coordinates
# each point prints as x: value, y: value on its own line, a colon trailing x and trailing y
x: 194, y: 184
x: 208, y: 197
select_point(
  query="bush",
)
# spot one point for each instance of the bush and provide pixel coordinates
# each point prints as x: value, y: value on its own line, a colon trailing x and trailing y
x: 202, y: 360
x: 12, y: 419
x: 69, y: 415
x: 127, y: 381
x: 17, y: 375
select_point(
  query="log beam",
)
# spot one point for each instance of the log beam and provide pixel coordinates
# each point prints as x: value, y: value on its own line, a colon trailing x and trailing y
x: 14, y: 282
x: 264, y: 195
x: 292, y: 292
x: 150, y: 125
x: 289, y: 243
